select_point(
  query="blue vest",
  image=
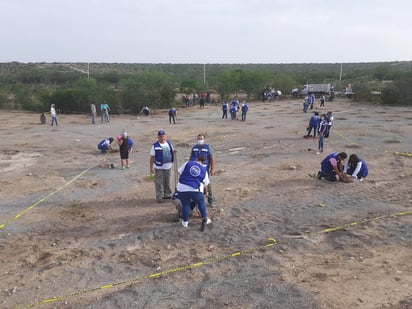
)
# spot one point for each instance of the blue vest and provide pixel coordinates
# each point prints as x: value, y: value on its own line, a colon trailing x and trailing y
x: 363, y: 171
x: 203, y: 150
x: 314, y: 121
x: 325, y: 165
x: 193, y: 174
x: 103, y: 146
x: 159, y: 153
x: 323, y: 124
x: 130, y: 144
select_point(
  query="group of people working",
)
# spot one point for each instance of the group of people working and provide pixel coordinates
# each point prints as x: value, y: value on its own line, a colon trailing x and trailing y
x: 193, y: 184
x: 234, y: 108
x: 125, y: 144
x: 334, y: 168
x: 321, y: 125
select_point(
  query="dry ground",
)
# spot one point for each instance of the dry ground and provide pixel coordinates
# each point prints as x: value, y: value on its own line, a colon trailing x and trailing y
x: 77, y: 234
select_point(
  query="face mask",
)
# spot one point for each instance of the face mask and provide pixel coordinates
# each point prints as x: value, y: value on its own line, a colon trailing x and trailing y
x: 200, y: 141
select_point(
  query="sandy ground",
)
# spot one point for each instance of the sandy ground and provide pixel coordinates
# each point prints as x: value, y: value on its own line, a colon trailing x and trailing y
x: 77, y: 234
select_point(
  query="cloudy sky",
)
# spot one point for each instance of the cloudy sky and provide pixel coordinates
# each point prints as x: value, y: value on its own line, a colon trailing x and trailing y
x: 206, y: 31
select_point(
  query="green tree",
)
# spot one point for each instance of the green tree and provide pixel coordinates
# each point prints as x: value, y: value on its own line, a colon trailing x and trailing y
x: 229, y: 83
x: 252, y: 82
x: 188, y: 86
x: 147, y: 88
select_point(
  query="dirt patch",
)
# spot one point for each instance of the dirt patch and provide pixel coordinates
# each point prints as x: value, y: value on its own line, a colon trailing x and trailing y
x: 77, y: 233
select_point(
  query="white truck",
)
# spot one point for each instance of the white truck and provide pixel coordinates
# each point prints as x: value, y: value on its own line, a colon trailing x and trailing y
x: 317, y: 89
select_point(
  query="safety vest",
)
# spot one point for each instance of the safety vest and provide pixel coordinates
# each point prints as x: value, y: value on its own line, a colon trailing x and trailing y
x: 203, y: 150
x: 159, y: 153
x: 193, y: 174
x: 326, y: 167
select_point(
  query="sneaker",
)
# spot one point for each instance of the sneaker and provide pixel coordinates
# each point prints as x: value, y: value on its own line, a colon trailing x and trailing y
x: 318, y: 153
x: 319, y: 175
x: 185, y: 223
x: 211, y: 205
x: 127, y: 166
x: 122, y: 168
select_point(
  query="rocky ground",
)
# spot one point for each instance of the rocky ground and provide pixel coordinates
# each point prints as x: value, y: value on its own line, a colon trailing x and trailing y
x: 75, y: 233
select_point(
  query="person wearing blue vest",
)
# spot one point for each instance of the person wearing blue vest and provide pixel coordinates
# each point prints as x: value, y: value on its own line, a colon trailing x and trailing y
x: 356, y: 168
x: 245, y: 109
x: 105, y: 145
x: 323, y: 126
x: 313, y: 124
x: 192, y: 187
x: 332, y: 166
x: 203, y: 149
x: 161, y: 163
x: 225, y: 108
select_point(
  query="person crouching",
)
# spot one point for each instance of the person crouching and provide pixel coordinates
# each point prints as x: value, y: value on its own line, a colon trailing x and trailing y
x: 193, y: 181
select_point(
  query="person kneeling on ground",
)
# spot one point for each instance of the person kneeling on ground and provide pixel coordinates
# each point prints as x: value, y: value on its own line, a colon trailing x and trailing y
x: 192, y: 183
x: 43, y: 118
x: 355, y: 168
x: 105, y: 145
x: 332, y: 166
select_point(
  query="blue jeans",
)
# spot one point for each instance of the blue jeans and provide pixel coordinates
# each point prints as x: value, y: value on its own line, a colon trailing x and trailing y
x: 320, y: 143
x: 54, y: 121
x: 330, y: 175
x: 187, y: 197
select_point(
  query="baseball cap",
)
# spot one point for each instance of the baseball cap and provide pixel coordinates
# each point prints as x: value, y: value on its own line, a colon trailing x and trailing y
x: 161, y: 132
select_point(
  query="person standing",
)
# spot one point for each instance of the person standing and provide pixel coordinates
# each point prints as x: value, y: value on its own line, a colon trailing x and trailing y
x: 312, y: 100
x: 53, y: 115
x: 332, y: 166
x: 322, y: 100
x: 161, y: 163
x: 330, y: 119
x: 232, y: 112
x: 105, y: 108
x: 125, y: 146
x: 225, y: 108
x: 203, y: 149
x: 93, y: 113
x: 202, y: 101
x: 323, y: 126
x: 306, y: 104
x: 172, y: 115
x: 245, y: 109
x: 192, y: 185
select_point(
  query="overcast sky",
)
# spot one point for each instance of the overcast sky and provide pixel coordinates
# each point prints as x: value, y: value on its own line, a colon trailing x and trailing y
x: 206, y: 31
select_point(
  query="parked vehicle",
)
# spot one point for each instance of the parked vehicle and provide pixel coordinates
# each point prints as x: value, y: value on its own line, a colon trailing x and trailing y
x: 347, y: 92
x: 317, y: 89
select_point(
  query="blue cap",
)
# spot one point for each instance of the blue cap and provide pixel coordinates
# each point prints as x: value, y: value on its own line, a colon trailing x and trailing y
x: 161, y: 132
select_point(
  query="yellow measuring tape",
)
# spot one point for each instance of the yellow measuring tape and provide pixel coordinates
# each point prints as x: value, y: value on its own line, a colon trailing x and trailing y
x: 271, y: 242
x: 2, y: 226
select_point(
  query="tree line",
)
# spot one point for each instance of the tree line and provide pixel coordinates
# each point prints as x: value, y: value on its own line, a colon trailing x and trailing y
x: 130, y: 87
